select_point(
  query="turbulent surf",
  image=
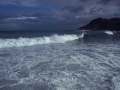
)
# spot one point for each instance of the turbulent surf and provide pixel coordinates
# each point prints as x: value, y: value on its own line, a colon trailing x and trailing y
x: 59, y: 60
x: 38, y: 40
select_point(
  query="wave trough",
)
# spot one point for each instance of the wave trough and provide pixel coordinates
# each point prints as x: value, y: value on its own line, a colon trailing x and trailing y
x: 38, y: 40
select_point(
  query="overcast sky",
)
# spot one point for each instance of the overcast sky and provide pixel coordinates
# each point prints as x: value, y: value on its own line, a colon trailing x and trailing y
x: 54, y: 14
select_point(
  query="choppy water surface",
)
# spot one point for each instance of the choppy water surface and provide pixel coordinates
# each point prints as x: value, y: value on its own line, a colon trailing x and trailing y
x: 82, y: 64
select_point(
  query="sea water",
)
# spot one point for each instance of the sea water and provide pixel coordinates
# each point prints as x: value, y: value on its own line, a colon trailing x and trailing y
x: 59, y: 60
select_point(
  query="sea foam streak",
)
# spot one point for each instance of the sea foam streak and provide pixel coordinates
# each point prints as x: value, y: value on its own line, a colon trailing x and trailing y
x: 38, y: 40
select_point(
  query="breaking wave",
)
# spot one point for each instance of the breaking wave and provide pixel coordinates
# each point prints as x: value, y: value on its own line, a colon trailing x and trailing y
x: 38, y: 40
x: 109, y: 32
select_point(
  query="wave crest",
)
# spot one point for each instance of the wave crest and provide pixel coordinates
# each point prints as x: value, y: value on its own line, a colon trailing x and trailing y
x: 38, y: 40
x: 109, y: 32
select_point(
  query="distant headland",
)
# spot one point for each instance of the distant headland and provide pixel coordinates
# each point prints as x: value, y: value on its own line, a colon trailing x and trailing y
x: 112, y: 24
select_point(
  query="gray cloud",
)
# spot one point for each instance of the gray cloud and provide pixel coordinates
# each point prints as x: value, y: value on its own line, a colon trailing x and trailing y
x: 83, y: 0
x: 104, y: 2
x: 95, y: 10
x: 39, y: 14
x: 16, y: 2
x: 73, y: 8
x: 55, y: 14
x: 116, y: 14
x: 118, y: 4
x: 36, y: 21
x: 39, y: 2
x: 4, y: 15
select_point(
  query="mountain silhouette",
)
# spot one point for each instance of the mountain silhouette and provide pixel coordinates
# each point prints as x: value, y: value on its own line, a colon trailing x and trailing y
x: 112, y: 24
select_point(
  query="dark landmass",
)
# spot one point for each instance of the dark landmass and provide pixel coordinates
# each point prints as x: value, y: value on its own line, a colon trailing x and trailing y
x: 112, y: 24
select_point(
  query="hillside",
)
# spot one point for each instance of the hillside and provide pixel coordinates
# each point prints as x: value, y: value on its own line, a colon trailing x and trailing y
x: 112, y: 24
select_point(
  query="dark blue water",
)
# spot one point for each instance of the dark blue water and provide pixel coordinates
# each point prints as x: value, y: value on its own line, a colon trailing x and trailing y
x: 33, y: 33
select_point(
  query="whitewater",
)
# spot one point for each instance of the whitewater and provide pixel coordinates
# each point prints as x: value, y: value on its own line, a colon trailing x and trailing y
x: 38, y: 40
x: 60, y: 60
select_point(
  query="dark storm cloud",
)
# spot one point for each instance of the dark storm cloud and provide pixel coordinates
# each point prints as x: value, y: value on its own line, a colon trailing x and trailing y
x: 26, y: 12
x: 73, y: 8
x: 39, y: 14
x: 4, y: 15
x: 104, y: 2
x: 95, y: 10
x: 83, y: 0
x: 54, y: 14
x: 118, y: 4
x: 36, y: 21
x: 16, y: 2
x: 117, y: 15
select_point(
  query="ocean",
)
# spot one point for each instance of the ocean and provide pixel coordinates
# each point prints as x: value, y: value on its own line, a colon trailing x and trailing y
x: 59, y: 60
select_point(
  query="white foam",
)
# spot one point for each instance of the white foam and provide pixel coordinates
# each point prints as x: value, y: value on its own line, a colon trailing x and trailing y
x: 109, y: 32
x: 38, y: 40
x: 64, y: 66
x: 116, y: 81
